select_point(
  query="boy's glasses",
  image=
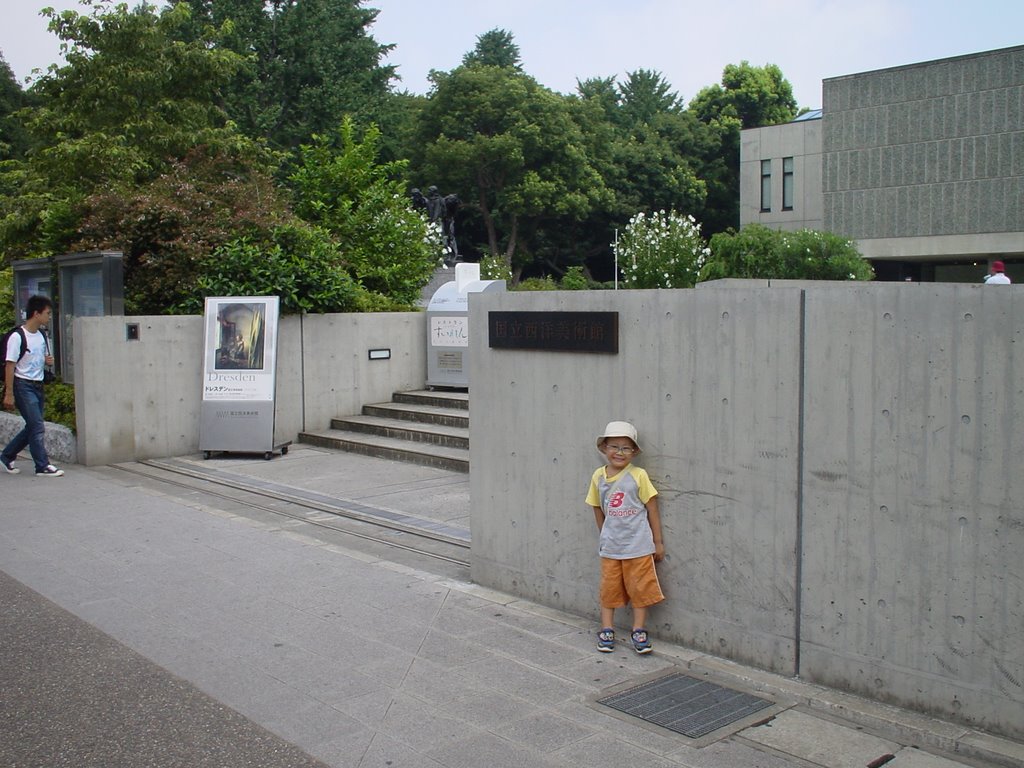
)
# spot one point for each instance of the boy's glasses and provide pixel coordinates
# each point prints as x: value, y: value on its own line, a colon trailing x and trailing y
x: 625, y: 450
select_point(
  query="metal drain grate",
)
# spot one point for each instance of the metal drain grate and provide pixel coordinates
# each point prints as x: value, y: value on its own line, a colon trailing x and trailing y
x: 685, y: 704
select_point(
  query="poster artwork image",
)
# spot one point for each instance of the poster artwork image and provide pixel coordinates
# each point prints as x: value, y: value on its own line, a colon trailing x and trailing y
x: 242, y: 331
x: 240, y: 343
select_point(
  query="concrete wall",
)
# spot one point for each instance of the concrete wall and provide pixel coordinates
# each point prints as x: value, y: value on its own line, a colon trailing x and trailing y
x: 912, y: 588
x: 140, y: 399
x: 838, y: 470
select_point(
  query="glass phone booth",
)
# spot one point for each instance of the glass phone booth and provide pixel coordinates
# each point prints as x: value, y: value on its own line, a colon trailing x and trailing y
x: 91, y: 285
x: 32, y: 277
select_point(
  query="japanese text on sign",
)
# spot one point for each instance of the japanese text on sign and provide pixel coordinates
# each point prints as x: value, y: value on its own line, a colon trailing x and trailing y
x: 554, y: 331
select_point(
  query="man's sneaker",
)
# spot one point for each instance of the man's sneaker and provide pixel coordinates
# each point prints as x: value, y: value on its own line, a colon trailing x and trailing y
x: 9, y: 467
x: 49, y: 471
x: 640, y: 642
x: 606, y: 640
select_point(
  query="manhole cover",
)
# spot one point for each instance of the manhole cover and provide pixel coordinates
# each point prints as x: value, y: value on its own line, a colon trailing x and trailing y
x: 685, y: 704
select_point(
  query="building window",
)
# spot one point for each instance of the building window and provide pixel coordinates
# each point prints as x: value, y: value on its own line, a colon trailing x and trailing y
x: 766, y: 185
x: 787, y: 183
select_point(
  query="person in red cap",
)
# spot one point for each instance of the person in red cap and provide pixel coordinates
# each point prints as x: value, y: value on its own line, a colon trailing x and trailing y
x: 997, y: 274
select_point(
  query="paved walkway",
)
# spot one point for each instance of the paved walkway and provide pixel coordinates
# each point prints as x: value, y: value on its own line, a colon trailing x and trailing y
x: 147, y: 626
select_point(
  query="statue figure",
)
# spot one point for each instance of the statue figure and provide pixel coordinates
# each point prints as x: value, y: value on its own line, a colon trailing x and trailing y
x: 419, y: 202
x: 440, y: 209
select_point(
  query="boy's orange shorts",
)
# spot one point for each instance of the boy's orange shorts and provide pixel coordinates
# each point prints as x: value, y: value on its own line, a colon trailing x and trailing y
x: 629, y: 581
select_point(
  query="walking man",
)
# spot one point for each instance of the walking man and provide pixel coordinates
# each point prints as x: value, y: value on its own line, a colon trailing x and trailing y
x: 26, y: 355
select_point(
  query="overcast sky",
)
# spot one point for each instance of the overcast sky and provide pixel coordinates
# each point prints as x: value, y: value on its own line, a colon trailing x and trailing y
x: 688, y: 42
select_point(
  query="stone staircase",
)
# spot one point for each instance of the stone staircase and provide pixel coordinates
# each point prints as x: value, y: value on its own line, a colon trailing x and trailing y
x: 422, y: 427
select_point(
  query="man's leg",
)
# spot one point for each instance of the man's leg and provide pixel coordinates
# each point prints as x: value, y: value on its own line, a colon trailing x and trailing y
x: 17, y: 444
x: 28, y: 397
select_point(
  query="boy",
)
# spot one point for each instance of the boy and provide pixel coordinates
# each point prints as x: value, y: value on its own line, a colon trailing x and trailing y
x: 626, y: 509
x: 23, y: 387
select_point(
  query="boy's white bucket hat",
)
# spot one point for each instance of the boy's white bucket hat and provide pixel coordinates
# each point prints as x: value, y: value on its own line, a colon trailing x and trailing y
x: 619, y: 429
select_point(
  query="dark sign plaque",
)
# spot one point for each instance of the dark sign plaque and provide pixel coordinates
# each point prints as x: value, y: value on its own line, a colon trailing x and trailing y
x: 554, y: 331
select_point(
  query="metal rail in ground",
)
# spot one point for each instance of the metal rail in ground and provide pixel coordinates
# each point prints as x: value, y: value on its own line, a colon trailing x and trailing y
x: 384, y: 526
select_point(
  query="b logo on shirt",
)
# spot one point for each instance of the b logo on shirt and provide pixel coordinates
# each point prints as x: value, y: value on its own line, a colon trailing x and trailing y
x: 616, y: 500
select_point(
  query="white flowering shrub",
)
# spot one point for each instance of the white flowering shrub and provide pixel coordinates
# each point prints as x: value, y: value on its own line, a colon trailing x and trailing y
x: 495, y: 268
x: 661, y: 250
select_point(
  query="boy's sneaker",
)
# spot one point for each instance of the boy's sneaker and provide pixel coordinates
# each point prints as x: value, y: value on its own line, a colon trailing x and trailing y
x: 49, y: 471
x: 9, y: 467
x: 640, y: 642
x: 606, y: 640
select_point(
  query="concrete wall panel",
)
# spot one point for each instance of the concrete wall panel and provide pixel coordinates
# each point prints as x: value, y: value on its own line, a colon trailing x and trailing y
x: 140, y: 399
x: 137, y: 399
x: 912, y: 590
x: 900, y: 493
x: 710, y: 378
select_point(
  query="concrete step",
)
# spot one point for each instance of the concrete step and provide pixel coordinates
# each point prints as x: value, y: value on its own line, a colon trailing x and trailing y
x: 403, y: 429
x: 421, y: 413
x: 426, y: 454
x: 442, y: 398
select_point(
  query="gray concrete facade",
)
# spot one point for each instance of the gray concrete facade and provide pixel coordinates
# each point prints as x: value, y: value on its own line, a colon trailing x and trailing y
x: 799, y: 141
x: 837, y: 467
x: 140, y: 399
x: 926, y: 151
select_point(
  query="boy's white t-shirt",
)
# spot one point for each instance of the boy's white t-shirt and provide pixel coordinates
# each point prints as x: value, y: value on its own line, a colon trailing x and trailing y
x: 626, y: 532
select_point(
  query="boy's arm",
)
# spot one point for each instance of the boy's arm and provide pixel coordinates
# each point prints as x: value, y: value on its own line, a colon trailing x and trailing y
x: 599, y: 517
x: 654, y: 518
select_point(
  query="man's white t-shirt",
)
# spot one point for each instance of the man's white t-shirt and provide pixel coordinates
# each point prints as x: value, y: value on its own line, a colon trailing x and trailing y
x: 31, y: 365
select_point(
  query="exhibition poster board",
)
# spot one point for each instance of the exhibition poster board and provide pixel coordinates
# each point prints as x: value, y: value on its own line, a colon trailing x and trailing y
x: 239, y: 375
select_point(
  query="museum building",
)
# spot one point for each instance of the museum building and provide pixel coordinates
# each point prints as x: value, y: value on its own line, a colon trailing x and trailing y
x: 922, y: 165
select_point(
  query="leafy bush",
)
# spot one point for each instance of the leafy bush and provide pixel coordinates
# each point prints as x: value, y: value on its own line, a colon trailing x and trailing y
x: 545, y: 283
x: 661, y: 250
x: 7, y: 313
x: 575, y: 280
x: 339, y: 186
x: 59, y: 405
x: 763, y: 253
x: 300, y: 265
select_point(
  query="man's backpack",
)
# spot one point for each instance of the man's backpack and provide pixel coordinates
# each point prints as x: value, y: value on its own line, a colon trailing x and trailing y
x: 24, y: 343
x: 48, y: 375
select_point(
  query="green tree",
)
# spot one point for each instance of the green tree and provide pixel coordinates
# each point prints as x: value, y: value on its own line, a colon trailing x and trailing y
x: 339, y: 186
x: 514, y: 154
x: 130, y: 97
x: 763, y: 253
x: 646, y: 95
x: 748, y: 97
x: 168, y: 227
x: 496, y: 48
x: 308, y: 64
x: 757, y: 96
x: 642, y: 143
x: 13, y: 136
x: 130, y: 101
